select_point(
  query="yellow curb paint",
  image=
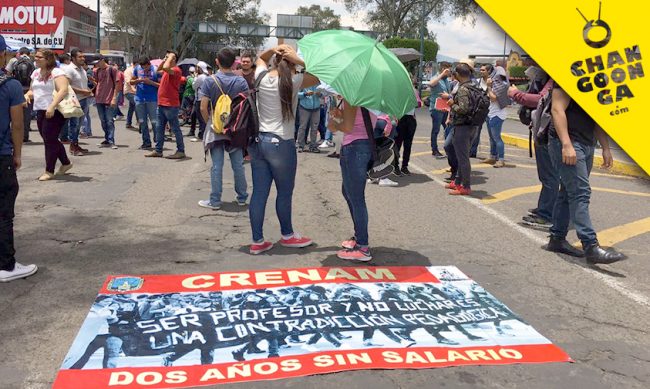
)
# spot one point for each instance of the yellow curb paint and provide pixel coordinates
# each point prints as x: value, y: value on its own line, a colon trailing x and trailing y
x: 421, y: 153
x: 478, y: 166
x: 510, y: 193
x: 619, y: 167
x: 614, y: 235
x: 514, y: 192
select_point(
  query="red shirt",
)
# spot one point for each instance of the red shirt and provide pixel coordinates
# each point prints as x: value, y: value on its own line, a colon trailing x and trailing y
x: 168, y: 92
x: 106, y: 80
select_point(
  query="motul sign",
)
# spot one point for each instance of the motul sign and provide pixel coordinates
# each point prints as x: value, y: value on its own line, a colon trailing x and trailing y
x: 39, y: 25
x: 28, y: 15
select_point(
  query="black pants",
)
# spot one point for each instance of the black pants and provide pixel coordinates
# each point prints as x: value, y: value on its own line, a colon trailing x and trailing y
x: 462, y: 141
x: 27, y: 119
x: 8, y: 193
x: 405, y: 133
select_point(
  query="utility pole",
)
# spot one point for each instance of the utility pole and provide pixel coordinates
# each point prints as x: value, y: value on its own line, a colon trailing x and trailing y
x: 505, y: 39
x: 98, y: 19
x: 421, y: 65
x: 34, y: 13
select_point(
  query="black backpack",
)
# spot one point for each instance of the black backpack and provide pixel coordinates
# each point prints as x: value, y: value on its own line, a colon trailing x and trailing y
x: 534, y: 87
x: 479, y: 105
x: 243, y: 123
x: 22, y: 71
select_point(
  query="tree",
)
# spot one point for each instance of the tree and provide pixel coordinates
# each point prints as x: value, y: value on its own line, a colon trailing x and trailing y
x: 157, y: 26
x: 401, y: 17
x: 324, y: 18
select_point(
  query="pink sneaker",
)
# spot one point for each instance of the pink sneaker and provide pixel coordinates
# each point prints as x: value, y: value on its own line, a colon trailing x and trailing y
x: 296, y: 241
x: 349, y: 244
x: 356, y: 254
x: 258, y: 248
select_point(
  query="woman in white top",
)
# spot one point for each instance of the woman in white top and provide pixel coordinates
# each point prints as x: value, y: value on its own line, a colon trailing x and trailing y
x: 45, y: 80
x: 497, y: 89
x: 273, y: 155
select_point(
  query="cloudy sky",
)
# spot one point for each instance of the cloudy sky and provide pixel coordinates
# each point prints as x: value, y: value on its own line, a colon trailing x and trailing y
x: 457, y: 38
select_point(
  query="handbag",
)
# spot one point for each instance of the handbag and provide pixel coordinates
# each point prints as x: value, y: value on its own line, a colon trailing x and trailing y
x: 383, y: 154
x: 69, y: 106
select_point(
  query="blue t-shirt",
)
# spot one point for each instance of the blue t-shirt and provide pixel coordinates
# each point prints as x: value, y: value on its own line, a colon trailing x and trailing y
x: 231, y: 84
x: 11, y: 94
x: 146, y: 93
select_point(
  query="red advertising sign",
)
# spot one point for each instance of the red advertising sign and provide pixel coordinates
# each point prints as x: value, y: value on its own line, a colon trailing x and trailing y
x: 176, y: 331
x: 38, y: 23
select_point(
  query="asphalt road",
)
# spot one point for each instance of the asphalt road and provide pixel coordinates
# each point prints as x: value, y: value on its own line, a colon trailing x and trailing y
x: 121, y: 213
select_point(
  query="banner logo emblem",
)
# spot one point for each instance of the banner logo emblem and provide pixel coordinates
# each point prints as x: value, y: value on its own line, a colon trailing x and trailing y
x: 125, y: 284
x: 595, y: 25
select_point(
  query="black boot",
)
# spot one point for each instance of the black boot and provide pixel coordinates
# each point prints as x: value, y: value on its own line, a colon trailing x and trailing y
x: 597, y: 254
x: 560, y: 245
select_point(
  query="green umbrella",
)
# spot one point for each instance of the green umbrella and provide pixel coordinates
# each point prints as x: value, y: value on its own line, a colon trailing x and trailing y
x: 361, y: 69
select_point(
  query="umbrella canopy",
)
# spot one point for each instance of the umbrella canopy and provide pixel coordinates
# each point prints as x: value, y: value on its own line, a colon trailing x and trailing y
x: 156, y: 62
x: 188, y: 61
x: 362, y: 70
x: 406, y: 54
x: 14, y: 44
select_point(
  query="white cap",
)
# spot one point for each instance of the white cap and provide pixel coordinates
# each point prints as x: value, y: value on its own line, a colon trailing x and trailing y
x: 203, y: 66
x: 192, y: 69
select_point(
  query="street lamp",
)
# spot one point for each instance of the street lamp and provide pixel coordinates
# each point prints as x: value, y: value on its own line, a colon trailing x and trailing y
x: 505, y: 40
x: 98, y: 12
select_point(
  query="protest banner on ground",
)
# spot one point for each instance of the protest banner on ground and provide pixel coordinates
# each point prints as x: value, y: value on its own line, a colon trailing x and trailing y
x: 173, y: 331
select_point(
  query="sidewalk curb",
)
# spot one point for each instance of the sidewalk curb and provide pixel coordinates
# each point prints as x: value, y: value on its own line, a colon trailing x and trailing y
x: 623, y: 168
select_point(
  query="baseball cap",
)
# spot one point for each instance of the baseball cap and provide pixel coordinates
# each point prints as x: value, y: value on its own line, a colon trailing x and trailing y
x: 100, y: 57
x: 203, y: 66
x: 3, y: 44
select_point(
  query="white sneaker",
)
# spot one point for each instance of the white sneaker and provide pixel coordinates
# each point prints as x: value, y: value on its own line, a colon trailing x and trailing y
x: 20, y: 271
x: 387, y: 182
x: 194, y: 139
x: 371, y: 181
x: 326, y: 144
x: 206, y: 204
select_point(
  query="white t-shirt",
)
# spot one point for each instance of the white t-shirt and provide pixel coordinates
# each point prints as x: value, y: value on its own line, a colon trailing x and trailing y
x: 43, y: 89
x: 270, y: 108
x: 495, y: 110
x: 77, y: 76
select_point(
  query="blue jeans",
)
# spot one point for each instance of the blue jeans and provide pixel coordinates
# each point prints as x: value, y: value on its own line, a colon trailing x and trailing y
x: 572, y: 202
x: 548, y: 176
x: 438, y: 119
x: 118, y: 112
x: 354, y: 161
x: 497, y: 147
x: 106, y: 112
x: 146, y: 110
x: 64, y: 136
x: 475, y: 142
x: 130, y: 97
x: 216, y: 173
x: 168, y: 115
x: 272, y: 160
x: 86, y: 124
x: 75, y: 123
x: 450, y: 151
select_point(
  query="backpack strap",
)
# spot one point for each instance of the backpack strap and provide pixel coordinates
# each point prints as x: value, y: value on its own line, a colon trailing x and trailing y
x: 259, y: 78
x: 371, y: 137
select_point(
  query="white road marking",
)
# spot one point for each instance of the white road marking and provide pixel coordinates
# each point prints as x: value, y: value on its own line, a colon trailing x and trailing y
x: 633, y: 295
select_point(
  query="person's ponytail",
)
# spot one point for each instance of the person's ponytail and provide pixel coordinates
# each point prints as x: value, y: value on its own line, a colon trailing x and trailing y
x: 286, y: 90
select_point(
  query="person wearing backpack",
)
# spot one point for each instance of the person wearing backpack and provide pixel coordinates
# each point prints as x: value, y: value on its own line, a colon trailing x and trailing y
x: 21, y: 68
x: 11, y: 136
x: 572, y: 144
x: 224, y: 84
x: 497, y: 90
x: 468, y: 111
x: 540, y: 85
x: 273, y: 155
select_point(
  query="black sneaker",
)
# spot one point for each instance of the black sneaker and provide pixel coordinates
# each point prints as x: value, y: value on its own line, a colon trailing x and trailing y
x: 532, y: 212
x: 398, y: 172
x: 438, y: 155
x: 334, y: 154
x: 144, y: 147
x: 406, y: 171
x: 301, y: 149
x: 104, y: 144
x: 314, y: 149
x: 537, y: 222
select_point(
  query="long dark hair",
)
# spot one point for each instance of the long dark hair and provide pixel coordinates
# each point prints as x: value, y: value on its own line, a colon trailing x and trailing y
x: 285, y: 87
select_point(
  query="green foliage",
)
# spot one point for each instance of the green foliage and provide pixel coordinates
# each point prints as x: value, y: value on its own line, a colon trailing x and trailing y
x: 324, y: 18
x: 430, y: 46
x: 517, y: 71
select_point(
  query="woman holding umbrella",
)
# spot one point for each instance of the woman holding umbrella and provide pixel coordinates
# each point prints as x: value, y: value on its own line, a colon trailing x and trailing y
x: 273, y: 156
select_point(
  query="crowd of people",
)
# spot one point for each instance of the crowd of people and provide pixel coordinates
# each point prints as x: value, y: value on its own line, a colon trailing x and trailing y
x: 294, y: 106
